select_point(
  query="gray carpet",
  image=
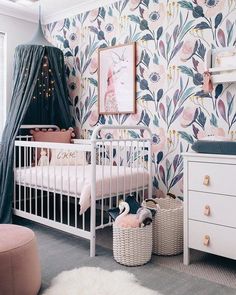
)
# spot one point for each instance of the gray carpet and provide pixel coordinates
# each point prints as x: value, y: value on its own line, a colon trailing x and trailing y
x: 60, y: 251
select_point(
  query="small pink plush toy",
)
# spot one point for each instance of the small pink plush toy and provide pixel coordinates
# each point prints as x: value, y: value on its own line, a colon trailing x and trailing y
x: 125, y: 219
x: 207, y: 82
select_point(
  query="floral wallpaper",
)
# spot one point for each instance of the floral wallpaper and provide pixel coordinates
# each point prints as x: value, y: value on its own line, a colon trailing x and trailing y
x: 172, y: 38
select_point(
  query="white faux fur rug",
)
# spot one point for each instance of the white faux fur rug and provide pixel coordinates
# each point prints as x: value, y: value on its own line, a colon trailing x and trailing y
x: 96, y: 281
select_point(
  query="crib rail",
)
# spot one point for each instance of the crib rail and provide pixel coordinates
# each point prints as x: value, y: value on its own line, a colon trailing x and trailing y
x: 73, y: 193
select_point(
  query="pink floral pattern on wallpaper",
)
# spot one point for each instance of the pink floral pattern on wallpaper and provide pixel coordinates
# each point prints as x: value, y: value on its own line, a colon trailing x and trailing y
x: 172, y: 38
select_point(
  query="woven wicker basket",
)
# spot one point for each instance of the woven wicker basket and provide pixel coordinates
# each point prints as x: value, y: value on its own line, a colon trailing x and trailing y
x: 168, y: 227
x: 132, y: 246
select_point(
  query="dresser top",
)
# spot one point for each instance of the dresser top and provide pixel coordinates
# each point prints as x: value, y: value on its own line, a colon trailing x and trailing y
x: 212, y: 157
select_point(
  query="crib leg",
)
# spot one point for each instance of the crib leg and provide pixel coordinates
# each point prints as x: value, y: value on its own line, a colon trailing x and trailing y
x: 93, y: 202
x: 93, y: 246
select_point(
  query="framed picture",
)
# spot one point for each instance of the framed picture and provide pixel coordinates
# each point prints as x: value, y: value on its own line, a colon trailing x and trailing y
x: 116, y: 80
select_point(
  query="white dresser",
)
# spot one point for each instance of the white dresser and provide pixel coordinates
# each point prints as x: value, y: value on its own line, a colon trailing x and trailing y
x: 209, y: 204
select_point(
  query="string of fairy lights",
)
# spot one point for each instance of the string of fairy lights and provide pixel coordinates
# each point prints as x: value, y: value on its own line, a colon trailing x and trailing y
x: 45, y: 82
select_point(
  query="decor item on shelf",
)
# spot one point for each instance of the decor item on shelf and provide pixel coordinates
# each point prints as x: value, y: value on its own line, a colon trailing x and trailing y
x: 39, y: 70
x: 225, y: 58
x: 94, y: 280
x: 116, y: 77
x: 221, y: 64
x: 167, y: 225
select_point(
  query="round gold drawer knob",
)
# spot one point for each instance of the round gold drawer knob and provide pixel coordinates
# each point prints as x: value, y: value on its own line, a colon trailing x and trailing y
x: 207, y: 210
x: 206, y: 180
x: 206, y: 240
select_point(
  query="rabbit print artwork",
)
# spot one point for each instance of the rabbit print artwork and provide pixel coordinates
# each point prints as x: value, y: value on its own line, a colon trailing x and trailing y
x: 116, y: 80
x: 110, y: 102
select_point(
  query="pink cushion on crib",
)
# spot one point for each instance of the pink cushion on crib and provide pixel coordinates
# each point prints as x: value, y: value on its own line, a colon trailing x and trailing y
x: 19, y: 261
x: 52, y: 136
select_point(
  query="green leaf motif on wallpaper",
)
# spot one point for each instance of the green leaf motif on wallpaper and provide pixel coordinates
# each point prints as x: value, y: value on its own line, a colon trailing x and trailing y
x: 202, y: 26
x: 186, y: 4
x: 113, y: 41
x: 198, y: 12
x: 143, y: 25
x: 147, y: 37
x: 135, y: 19
x: 187, y: 71
x: 218, y: 20
x: 133, y: 134
x: 184, y: 135
x: 148, y: 97
x: 93, y: 82
x: 213, y: 120
x: 68, y: 54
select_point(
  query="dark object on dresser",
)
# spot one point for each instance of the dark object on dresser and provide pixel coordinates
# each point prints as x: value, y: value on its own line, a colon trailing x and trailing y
x: 215, y: 147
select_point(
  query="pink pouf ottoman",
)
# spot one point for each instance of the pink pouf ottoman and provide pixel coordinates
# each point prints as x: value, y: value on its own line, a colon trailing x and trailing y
x: 19, y: 261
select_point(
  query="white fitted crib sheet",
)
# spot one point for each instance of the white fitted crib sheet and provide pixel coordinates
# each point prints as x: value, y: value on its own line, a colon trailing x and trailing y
x: 71, y: 180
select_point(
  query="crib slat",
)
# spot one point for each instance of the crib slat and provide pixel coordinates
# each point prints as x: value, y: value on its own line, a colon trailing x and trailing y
x: 42, y: 173
x: 61, y: 190
x: 54, y: 191
x: 76, y: 192
x: 48, y: 194
x: 36, y: 181
x: 125, y: 164
x: 68, y: 191
x: 30, y: 188
x: 19, y: 187
x: 137, y: 166
x: 25, y: 163
x: 143, y: 165
x: 14, y: 165
x: 118, y: 173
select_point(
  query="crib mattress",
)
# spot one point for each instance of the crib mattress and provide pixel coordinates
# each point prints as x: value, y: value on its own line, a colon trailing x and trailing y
x: 76, y: 180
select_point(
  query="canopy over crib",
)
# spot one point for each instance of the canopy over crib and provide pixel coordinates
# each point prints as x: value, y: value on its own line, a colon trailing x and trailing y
x: 39, y: 96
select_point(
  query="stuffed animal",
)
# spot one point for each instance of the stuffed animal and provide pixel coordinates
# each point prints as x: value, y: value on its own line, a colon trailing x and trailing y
x: 144, y: 216
x: 44, y: 160
x: 126, y: 219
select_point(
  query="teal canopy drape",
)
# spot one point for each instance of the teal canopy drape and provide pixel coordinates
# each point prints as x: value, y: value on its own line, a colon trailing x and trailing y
x: 40, y: 96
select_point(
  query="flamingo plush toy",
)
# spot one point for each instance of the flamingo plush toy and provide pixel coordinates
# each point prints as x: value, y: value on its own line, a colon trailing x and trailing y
x: 125, y: 219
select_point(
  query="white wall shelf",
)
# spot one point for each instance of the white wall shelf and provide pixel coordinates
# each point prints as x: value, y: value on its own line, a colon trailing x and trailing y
x: 225, y: 73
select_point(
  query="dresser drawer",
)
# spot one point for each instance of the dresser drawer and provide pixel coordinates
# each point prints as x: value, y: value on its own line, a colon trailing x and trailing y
x: 222, y: 240
x: 212, y: 208
x: 212, y: 178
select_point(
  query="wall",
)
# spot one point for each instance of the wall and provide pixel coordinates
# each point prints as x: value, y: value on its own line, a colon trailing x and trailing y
x: 172, y: 38
x: 18, y: 31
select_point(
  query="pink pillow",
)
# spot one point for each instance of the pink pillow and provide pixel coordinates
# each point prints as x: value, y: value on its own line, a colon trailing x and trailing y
x: 52, y: 136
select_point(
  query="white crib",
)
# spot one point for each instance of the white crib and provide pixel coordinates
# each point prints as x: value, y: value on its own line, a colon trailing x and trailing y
x: 74, y: 196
